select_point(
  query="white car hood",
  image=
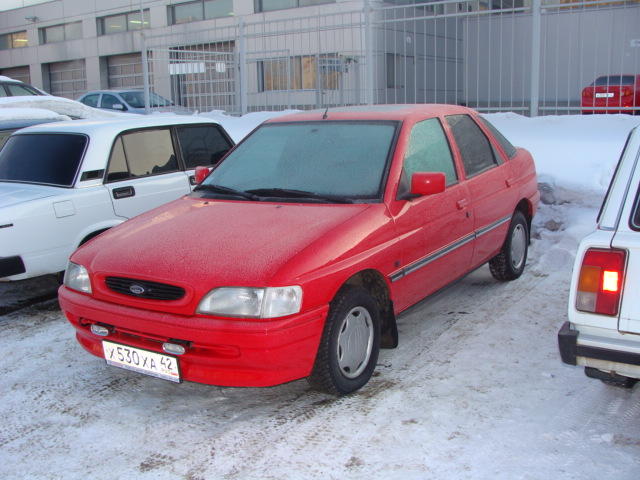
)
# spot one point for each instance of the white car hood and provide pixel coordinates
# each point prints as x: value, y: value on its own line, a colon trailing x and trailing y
x: 14, y: 193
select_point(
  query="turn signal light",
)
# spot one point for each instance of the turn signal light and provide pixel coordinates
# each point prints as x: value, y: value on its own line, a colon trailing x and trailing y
x: 600, y: 281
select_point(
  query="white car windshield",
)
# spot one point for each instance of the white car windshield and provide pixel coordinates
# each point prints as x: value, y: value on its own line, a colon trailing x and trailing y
x: 51, y: 159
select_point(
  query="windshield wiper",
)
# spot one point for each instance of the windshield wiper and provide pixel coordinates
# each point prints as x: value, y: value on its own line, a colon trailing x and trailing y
x: 226, y: 190
x: 291, y: 193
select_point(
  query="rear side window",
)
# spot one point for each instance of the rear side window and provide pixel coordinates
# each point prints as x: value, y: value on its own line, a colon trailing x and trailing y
x: 51, y: 159
x: 475, y: 149
x: 428, y: 151
x: 21, y: 90
x: 635, y: 216
x: 91, y: 100
x: 507, y: 146
x: 202, y: 145
x: 108, y: 101
x: 142, y: 153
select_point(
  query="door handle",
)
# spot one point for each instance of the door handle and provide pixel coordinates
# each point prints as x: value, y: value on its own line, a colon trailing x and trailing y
x: 123, y: 192
x: 461, y: 204
x: 509, y: 182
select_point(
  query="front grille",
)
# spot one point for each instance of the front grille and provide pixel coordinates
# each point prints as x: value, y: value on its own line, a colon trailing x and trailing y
x: 144, y: 288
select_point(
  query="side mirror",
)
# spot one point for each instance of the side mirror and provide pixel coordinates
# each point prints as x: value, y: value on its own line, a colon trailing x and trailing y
x: 201, y: 173
x: 117, y: 106
x: 427, y: 183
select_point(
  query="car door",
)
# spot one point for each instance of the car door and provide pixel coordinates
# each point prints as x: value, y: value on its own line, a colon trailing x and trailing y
x: 201, y: 145
x: 144, y: 171
x: 436, y: 230
x: 492, y: 201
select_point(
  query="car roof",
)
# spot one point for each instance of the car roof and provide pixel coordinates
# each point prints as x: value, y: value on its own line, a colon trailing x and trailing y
x: 118, y: 90
x: 113, y: 126
x: 374, y: 112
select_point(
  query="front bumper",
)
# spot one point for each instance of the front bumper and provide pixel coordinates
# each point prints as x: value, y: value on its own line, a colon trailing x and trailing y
x: 606, y: 359
x: 226, y: 352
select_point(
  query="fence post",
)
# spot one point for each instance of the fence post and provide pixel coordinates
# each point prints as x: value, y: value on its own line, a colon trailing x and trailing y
x: 145, y: 72
x: 368, y: 45
x: 242, y: 67
x: 535, y: 57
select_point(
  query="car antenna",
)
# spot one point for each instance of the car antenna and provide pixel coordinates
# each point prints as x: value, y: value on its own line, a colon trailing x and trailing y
x: 324, y: 117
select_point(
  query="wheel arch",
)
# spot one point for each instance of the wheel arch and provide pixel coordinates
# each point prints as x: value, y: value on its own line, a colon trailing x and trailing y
x: 377, y: 286
x: 526, y: 208
x: 92, y: 231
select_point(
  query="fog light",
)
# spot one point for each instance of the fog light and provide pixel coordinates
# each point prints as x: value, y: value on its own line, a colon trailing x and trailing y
x: 99, y: 330
x: 173, y: 348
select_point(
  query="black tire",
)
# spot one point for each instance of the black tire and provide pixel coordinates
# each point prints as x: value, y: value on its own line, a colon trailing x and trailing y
x: 509, y: 263
x: 609, y: 378
x: 353, y: 315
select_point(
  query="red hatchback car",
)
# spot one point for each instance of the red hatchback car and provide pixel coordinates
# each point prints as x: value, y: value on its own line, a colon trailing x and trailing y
x: 612, y: 94
x: 294, y: 257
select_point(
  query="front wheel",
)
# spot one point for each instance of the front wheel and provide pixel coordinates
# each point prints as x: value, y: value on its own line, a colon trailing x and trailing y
x: 509, y: 263
x: 350, y: 343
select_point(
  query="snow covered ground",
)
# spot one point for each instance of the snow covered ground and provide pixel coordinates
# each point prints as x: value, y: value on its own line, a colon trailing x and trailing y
x: 476, y: 389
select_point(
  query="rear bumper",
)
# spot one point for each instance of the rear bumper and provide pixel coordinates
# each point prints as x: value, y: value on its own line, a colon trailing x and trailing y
x: 226, y: 352
x: 600, y: 357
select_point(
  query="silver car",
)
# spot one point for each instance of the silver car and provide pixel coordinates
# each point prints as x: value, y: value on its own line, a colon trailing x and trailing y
x: 130, y: 101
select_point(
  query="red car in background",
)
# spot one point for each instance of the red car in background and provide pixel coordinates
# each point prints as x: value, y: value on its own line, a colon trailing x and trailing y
x: 294, y: 257
x: 612, y: 94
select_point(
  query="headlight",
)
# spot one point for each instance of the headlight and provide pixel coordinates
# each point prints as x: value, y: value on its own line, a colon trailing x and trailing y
x: 76, y: 277
x: 269, y: 302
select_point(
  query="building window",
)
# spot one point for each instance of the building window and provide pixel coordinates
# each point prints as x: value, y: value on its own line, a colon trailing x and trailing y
x: 199, y: 10
x: 13, y: 40
x: 123, y: 22
x: 269, y: 5
x: 60, y: 33
x: 301, y: 73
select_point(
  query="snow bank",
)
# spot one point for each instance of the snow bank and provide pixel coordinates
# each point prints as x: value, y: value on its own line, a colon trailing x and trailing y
x: 239, y: 127
x: 576, y: 152
x: 60, y: 105
x: 12, y: 113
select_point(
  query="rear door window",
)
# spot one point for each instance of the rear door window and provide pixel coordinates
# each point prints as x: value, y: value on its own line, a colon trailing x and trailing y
x: 635, y: 216
x: 475, y: 148
x: 91, y: 100
x: 21, y: 90
x: 51, y: 159
x: 202, y: 145
x: 507, y: 146
x: 142, y: 153
x: 429, y: 151
x: 108, y: 101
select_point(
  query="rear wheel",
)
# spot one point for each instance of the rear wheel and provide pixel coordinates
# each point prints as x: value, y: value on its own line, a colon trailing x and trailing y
x: 610, y: 378
x: 509, y: 263
x: 350, y: 343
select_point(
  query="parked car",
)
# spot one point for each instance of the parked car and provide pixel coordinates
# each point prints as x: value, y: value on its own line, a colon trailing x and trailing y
x: 64, y: 183
x: 612, y: 94
x: 130, y: 101
x: 295, y: 255
x: 603, y: 330
x: 7, y: 127
x: 14, y: 88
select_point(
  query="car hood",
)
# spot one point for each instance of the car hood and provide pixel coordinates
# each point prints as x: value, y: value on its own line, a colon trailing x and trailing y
x: 203, y: 244
x: 14, y: 193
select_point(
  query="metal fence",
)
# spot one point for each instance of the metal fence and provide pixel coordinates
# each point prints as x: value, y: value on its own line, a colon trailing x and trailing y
x: 496, y: 55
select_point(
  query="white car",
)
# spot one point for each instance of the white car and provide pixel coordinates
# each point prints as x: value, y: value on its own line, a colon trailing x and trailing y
x: 63, y: 183
x: 603, y: 331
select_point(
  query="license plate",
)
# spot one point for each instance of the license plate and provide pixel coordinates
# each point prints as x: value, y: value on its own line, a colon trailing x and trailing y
x: 142, y: 361
x: 604, y: 95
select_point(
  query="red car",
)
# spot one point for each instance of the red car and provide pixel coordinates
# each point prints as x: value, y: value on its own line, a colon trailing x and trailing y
x: 294, y: 257
x: 612, y: 94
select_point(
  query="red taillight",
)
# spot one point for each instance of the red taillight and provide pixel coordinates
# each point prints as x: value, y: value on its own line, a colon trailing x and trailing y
x: 600, y: 281
x: 587, y: 92
x: 627, y: 91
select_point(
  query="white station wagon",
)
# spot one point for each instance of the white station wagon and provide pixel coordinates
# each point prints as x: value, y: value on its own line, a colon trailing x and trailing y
x: 603, y: 331
x: 62, y: 184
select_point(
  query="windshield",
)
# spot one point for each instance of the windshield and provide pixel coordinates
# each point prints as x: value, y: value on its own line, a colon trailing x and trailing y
x: 51, y: 159
x: 613, y: 80
x: 136, y: 99
x: 330, y: 159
